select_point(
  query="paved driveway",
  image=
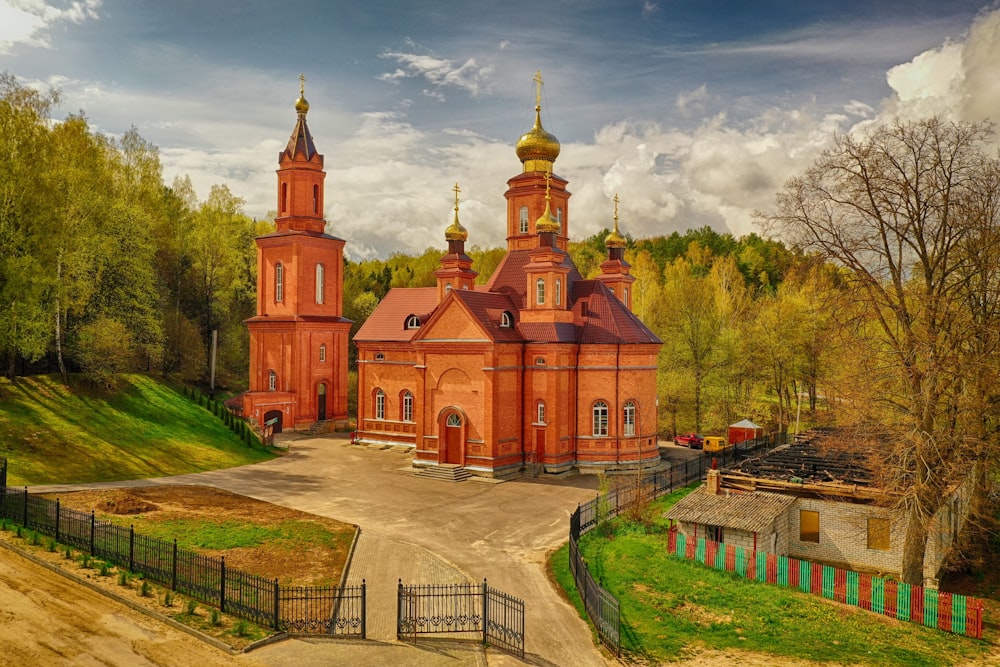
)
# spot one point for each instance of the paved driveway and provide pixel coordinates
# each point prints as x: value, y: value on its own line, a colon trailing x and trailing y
x: 423, y: 531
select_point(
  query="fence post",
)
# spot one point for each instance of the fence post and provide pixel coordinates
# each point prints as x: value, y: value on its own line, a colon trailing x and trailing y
x: 399, y: 606
x: 173, y: 574
x: 25, y: 522
x: 277, y: 605
x: 222, y: 585
x: 131, y: 548
x: 486, y: 620
x: 364, y: 609
x: 57, y: 519
x: 93, y: 521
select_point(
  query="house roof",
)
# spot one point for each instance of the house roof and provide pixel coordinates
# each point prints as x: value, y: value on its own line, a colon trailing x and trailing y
x: 388, y: 321
x: 754, y: 512
x: 744, y: 423
x: 818, y: 456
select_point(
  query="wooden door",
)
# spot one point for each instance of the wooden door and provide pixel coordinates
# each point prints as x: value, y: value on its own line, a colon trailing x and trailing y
x: 453, y: 439
x: 321, y: 402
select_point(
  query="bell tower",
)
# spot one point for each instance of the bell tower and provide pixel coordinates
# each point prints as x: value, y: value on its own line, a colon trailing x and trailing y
x: 298, y: 338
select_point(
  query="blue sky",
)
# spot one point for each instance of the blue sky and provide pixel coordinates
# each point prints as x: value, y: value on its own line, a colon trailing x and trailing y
x: 695, y: 112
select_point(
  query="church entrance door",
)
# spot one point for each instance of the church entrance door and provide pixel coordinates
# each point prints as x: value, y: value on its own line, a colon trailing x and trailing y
x: 321, y: 402
x: 274, y: 414
x: 453, y: 439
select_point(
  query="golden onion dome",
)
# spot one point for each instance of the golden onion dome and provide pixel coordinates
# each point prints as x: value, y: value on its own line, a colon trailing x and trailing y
x: 455, y: 231
x: 537, y: 144
x: 615, y: 238
x: 545, y: 222
x: 301, y: 105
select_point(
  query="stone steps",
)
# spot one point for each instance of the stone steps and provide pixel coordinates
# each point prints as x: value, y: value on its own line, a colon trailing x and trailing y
x: 448, y: 472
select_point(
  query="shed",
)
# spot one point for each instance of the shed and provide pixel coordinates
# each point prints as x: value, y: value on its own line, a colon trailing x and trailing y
x: 744, y: 430
x: 756, y: 520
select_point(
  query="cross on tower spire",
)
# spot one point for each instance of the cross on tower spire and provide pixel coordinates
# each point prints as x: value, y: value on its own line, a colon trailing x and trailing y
x: 538, y: 89
x: 457, y: 190
x: 302, y: 85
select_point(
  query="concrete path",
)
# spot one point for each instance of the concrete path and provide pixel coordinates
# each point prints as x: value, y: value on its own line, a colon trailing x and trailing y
x: 421, y: 531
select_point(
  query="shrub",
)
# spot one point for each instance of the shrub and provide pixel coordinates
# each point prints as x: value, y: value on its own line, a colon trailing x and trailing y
x: 17, y: 531
x: 67, y: 552
x: 123, y: 578
x: 34, y: 539
x: 85, y: 561
x: 105, y: 569
x: 51, y: 545
x: 215, y: 617
x: 5, y: 525
x: 242, y: 629
x: 145, y: 590
x: 168, y: 599
x: 191, y: 607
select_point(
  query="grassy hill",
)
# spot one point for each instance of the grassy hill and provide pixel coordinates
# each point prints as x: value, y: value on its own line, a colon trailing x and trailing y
x: 51, y: 433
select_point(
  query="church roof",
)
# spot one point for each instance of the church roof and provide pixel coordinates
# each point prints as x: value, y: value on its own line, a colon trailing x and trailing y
x: 487, y: 308
x: 509, y: 277
x: 388, y: 321
x: 301, y: 141
x: 605, y: 319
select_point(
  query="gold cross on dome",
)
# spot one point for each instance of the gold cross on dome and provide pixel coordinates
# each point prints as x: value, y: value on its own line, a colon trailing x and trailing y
x: 302, y: 85
x: 616, y: 210
x: 457, y: 190
x: 538, y: 87
x: 548, y: 180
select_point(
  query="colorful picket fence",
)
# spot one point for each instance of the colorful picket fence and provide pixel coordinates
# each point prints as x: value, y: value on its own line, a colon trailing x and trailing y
x: 927, y: 606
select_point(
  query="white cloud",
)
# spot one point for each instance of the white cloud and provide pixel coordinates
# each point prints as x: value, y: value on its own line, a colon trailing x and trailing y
x: 470, y: 76
x: 689, y: 101
x: 649, y: 8
x: 28, y: 21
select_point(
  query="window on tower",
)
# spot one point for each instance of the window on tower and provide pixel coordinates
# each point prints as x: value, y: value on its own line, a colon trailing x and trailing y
x: 559, y: 216
x: 540, y: 291
x: 322, y: 353
x: 540, y: 412
x: 523, y: 225
x: 284, y: 197
x: 316, y: 200
x: 279, y: 282
x: 558, y: 292
x: 628, y: 429
x: 272, y: 381
x: 320, y: 283
x: 379, y: 404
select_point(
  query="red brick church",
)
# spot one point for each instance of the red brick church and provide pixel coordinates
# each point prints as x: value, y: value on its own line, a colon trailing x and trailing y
x: 536, y: 366
x: 298, y: 338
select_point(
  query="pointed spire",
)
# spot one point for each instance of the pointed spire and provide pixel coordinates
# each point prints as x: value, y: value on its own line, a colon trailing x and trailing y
x: 301, y: 141
x: 545, y: 222
x: 455, y: 231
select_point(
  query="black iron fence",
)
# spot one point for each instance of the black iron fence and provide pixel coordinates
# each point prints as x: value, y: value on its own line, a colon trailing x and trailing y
x: 471, y: 609
x: 3, y: 472
x: 331, y: 610
x: 601, y: 605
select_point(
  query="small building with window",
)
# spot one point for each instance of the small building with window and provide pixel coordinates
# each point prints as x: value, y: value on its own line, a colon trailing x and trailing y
x: 816, y: 500
x: 537, y: 365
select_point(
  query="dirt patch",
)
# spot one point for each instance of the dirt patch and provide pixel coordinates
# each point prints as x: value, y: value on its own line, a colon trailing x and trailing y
x: 317, y: 560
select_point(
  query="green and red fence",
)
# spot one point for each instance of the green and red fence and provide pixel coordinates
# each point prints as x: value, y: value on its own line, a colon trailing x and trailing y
x: 932, y: 608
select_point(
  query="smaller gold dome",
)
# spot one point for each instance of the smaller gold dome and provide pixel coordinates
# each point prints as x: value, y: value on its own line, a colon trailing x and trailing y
x: 545, y: 222
x: 301, y: 105
x: 615, y: 238
x: 537, y: 144
x: 455, y: 231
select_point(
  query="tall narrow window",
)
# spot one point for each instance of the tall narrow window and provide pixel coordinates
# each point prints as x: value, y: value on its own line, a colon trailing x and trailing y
x: 541, y: 412
x: 322, y: 353
x: 315, y: 199
x: 523, y: 228
x: 808, y: 526
x: 506, y: 321
x: 279, y: 282
x: 284, y: 197
x: 540, y: 291
x: 558, y: 292
x: 320, y: 283
x: 625, y: 300
x: 272, y: 381
x: 407, y: 406
x: 600, y: 418
x: 559, y: 216
x: 379, y: 404
x: 628, y: 420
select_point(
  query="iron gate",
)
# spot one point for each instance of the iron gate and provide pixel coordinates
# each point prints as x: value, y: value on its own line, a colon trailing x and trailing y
x: 471, y: 609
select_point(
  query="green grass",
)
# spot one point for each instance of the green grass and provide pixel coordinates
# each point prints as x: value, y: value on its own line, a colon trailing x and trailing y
x: 671, y: 607
x: 51, y: 433
x: 222, y: 534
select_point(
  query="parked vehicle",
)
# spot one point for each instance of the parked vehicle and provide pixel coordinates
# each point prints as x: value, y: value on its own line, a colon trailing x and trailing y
x: 692, y: 440
x: 715, y: 443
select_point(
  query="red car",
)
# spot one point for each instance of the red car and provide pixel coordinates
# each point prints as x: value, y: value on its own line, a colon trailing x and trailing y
x: 692, y: 440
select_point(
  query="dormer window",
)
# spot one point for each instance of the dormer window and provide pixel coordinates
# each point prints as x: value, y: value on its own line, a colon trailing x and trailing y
x: 539, y: 361
x: 506, y: 320
x: 379, y: 356
x: 447, y: 287
x: 412, y: 322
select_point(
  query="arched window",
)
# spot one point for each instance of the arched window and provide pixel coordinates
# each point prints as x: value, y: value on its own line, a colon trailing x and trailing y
x: 628, y: 419
x: 407, y: 404
x: 447, y: 287
x: 539, y: 361
x: 279, y: 282
x: 559, y: 216
x: 379, y: 356
x: 454, y: 420
x: 558, y: 292
x: 320, y: 283
x: 379, y: 404
x: 625, y: 300
x: 506, y: 321
x: 412, y: 322
x: 315, y: 199
x: 272, y: 381
x: 322, y: 353
x: 540, y: 291
x: 600, y: 418
x: 523, y: 228
x: 284, y: 197
x: 540, y: 412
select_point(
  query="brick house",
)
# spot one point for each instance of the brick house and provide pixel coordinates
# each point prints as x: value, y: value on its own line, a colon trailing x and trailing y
x: 537, y: 366
x: 819, y: 502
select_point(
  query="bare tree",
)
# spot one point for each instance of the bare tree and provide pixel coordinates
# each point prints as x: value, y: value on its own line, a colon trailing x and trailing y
x: 902, y: 208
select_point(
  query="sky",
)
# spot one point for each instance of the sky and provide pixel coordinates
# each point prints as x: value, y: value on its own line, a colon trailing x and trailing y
x: 694, y: 112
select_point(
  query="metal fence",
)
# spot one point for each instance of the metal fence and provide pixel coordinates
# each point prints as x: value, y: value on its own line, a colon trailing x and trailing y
x: 470, y: 609
x: 932, y: 608
x: 331, y: 610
